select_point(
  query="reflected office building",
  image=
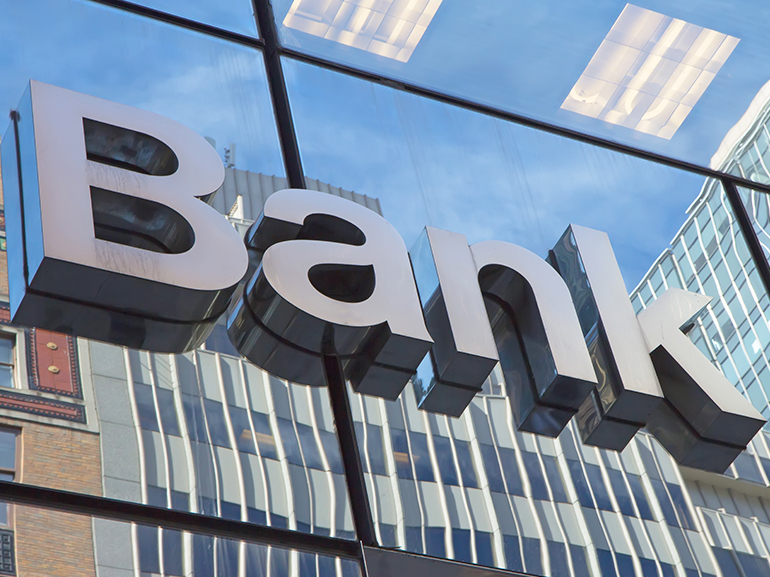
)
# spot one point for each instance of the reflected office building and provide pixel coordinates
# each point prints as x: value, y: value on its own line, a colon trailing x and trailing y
x: 208, y: 433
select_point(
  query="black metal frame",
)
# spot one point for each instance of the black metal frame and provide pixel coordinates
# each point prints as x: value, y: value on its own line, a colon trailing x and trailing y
x: 273, y: 53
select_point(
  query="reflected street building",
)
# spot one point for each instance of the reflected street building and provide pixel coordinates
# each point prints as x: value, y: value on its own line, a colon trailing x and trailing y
x: 323, y: 89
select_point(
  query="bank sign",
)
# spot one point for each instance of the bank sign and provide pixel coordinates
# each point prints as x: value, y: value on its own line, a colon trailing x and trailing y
x: 108, y: 239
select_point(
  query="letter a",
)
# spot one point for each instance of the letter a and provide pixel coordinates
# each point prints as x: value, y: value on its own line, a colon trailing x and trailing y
x: 334, y: 280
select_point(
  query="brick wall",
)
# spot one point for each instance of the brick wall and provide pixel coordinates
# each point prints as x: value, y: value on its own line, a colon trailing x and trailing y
x: 50, y: 543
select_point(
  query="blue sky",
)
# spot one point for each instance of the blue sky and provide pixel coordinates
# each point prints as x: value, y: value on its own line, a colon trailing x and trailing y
x: 432, y: 164
x: 428, y: 163
x: 526, y: 56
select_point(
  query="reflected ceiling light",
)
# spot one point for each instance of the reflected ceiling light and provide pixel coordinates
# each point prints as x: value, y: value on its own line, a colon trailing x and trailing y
x: 390, y: 28
x: 649, y: 72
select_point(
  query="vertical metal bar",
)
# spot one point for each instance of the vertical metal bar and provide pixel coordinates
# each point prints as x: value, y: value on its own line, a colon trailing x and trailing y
x: 752, y: 241
x: 284, y: 121
x: 351, y: 459
x: 335, y: 379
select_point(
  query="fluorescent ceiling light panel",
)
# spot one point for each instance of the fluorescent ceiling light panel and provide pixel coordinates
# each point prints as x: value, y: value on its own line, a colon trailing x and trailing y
x: 390, y: 28
x: 649, y: 72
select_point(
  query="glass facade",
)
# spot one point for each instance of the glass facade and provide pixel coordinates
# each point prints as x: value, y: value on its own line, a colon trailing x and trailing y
x: 502, y: 122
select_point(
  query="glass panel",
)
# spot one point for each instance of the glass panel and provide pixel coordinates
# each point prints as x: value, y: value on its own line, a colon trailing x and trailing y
x: 202, y: 432
x: 446, y: 167
x: 48, y: 542
x: 8, y: 440
x: 235, y: 15
x: 674, y: 82
x: 216, y: 88
x: 6, y: 377
x: 6, y: 351
x: 428, y: 163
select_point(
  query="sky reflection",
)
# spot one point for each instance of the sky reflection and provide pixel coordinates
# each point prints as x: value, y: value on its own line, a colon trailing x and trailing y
x: 527, y: 56
x: 433, y: 164
x: 216, y: 88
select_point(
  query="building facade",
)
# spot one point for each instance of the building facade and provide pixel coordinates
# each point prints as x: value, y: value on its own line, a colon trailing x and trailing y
x: 502, y: 122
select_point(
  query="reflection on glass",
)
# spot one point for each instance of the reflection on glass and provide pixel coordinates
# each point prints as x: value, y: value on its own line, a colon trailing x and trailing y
x: 6, y: 363
x: 214, y: 87
x: 235, y: 15
x: 487, y: 179
x: 649, y: 72
x: 390, y: 28
x: 89, y: 547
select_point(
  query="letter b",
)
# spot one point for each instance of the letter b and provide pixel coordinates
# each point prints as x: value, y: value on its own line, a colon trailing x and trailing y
x: 107, y: 234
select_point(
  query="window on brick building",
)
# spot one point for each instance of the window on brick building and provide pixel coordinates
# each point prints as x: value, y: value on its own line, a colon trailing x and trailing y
x: 8, y: 440
x: 7, y: 356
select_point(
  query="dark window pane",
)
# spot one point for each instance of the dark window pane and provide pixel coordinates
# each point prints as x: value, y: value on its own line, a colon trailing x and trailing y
x: 622, y: 494
x: 747, y: 468
x: 6, y: 377
x: 446, y: 461
x: 434, y: 542
x: 581, y: 485
x: 640, y: 497
x: 256, y: 516
x: 256, y: 560
x: 387, y: 535
x: 307, y: 566
x: 230, y: 510
x: 172, y: 553
x: 465, y: 462
x: 242, y: 429
x: 726, y: 562
x: 649, y: 568
x: 625, y: 564
x: 6, y: 351
x: 512, y: 553
x: 665, y: 502
x: 332, y: 450
x: 492, y: 468
x: 156, y: 496
x: 215, y: 417
x: 289, y: 441
x: 461, y: 541
x: 557, y: 552
x: 422, y: 465
x: 484, y: 555
x: 555, y: 479
x: 279, y: 562
x: 414, y: 539
x: 511, y: 471
x: 7, y: 449
x: 753, y: 566
x: 536, y: 478
x: 310, y: 447
x: 265, y: 438
x: 598, y: 487
x: 606, y: 565
x: 375, y: 449
x: 147, y: 537
x: 145, y: 406
x: 180, y: 501
x: 196, y: 424
x: 326, y: 566
x: 579, y: 561
x: 681, y: 506
x: 669, y: 570
x: 167, y: 409
x: 532, y: 555
x: 401, y: 454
